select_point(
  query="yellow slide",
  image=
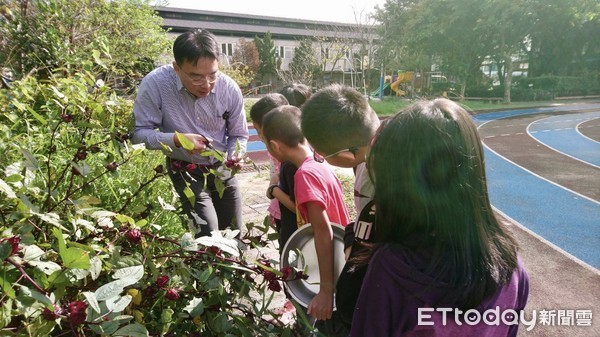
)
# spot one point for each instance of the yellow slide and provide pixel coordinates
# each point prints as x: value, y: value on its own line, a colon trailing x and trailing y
x: 405, y: 77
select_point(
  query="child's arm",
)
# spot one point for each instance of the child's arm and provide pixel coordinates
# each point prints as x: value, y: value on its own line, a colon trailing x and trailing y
x: 282, y: 197
x: 321, y: 306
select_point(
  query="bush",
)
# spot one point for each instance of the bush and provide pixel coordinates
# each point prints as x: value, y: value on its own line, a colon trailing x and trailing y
x: 82, y: 222
x: 561, y: 85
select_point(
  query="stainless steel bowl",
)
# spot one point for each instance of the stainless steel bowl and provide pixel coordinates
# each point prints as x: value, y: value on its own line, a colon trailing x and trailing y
x: 299, y: 252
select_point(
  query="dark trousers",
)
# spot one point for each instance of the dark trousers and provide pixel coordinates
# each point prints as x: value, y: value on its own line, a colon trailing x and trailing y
x: 210, y: 211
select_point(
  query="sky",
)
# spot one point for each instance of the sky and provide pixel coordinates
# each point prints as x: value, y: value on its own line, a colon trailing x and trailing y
x: 346, y: 11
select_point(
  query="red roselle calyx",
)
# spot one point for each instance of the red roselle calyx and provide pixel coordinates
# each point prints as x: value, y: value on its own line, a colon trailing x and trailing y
x: 76, y: 311
x: 133, y: 235
x: 162, y: 281
x: 172, y: 294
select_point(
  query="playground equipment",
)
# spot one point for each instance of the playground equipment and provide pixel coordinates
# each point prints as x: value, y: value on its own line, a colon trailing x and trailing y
x: 405, y: 77
x: 396, y: 85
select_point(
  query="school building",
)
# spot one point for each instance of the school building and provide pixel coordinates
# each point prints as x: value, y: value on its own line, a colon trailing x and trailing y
x: 345, y: 51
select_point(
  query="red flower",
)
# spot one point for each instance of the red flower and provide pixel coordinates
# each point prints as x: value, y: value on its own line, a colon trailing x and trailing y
x: 287, y: 271
x: 134, y: 235
x: 14, y: 243
x: 269, y: 276
x: 150, y: 291
x: 274, y: 285
x: 190, y: 167
x: 77, y: 312
x: 67, y: 118
x: 215, y: 250
x: 112, y: 167
x: 159, y: 169
x: 172, y: 294
x: 176, y: 165
x: 162, y: 281
x: 300, y: 275
x: 50, y: 315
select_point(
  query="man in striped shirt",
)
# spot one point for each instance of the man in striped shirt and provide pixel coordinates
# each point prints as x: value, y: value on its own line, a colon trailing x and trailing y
x: 191, y: 97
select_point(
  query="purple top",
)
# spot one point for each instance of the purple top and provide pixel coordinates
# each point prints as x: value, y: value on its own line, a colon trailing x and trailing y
x: 394, y: 301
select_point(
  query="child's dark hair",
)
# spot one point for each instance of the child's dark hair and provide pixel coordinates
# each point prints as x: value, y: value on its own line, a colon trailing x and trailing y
x: 266, y: 104
x: 431, y: 198
x: 283, y: 124
x: 296, y: 93
x: 337, y: 117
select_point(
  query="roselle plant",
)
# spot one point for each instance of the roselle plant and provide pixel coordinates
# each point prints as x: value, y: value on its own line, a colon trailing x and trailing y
x: 90, y: 243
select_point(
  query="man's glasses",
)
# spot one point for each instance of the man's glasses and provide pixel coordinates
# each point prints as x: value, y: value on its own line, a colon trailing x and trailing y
x: 200, y: 80
x: 318, y: 158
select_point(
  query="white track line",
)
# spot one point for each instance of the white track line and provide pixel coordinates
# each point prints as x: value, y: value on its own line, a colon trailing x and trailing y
x: 584, y: 136
x: 535, y: 174
x: 552, y: 245
x: 550, y: 147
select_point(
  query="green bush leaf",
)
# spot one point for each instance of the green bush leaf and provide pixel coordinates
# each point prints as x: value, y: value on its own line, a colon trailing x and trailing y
x: 75, y: 258
x: 6, y: 189
x: 184, y: 141
x: 195, y: 307
x: 92, y: 301
x: 132, y: 330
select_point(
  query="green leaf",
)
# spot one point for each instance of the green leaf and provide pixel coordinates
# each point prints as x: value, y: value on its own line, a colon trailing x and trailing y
x: 37, y: 116
x: 189, y: 194
x: 58, y: 93
x: 6, y: 189
x: 220, y: 186
x: 126, y: 277
x: 75, y: 258
x: 188, y: 242
x: 135, y: 272
x: 96, y: 56
x: 167, y: 316
x: 60, y: 239
x: 5, y: 250
x: 47, y: 267
x: 5, y: 313
x: 118, y: 304
x: 92, y: 301
x: 186, y: 144
x: 125, y: 219
x: 7, y: 287
x: 95, y: 267
x: 205, y: 274
x: 195, y: 307
x: 112, y: 289
x: 132, y: 330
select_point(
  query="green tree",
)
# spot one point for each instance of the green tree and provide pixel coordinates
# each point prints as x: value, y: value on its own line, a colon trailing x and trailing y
x: 42, y: 36
x: 565, y: 37
x: 269, y: 61
x: 304, y: 65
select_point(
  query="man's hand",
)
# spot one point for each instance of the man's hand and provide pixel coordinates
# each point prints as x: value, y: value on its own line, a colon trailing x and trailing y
x: 200, y: 142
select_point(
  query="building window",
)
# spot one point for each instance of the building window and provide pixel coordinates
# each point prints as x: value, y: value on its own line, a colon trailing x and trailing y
x: 285, y: 52
x: 227, y: 49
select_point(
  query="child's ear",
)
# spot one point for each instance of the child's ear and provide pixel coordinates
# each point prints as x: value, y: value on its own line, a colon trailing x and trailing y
x: 274, y: 146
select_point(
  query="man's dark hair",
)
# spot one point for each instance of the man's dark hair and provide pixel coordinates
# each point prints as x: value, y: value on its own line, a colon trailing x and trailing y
x: 266, y: 104
x: 194, y: 44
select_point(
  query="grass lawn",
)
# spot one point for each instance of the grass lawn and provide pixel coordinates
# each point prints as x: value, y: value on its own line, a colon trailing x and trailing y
x: 391, y: 105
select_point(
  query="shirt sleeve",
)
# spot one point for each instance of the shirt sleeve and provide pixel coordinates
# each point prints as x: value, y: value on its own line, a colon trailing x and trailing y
x: 308, y: 188
x: 148, y: 117
x: 237, y: 126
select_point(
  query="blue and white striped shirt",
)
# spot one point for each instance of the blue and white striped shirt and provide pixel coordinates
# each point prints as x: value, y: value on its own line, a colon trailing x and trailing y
x: 163, y: 106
